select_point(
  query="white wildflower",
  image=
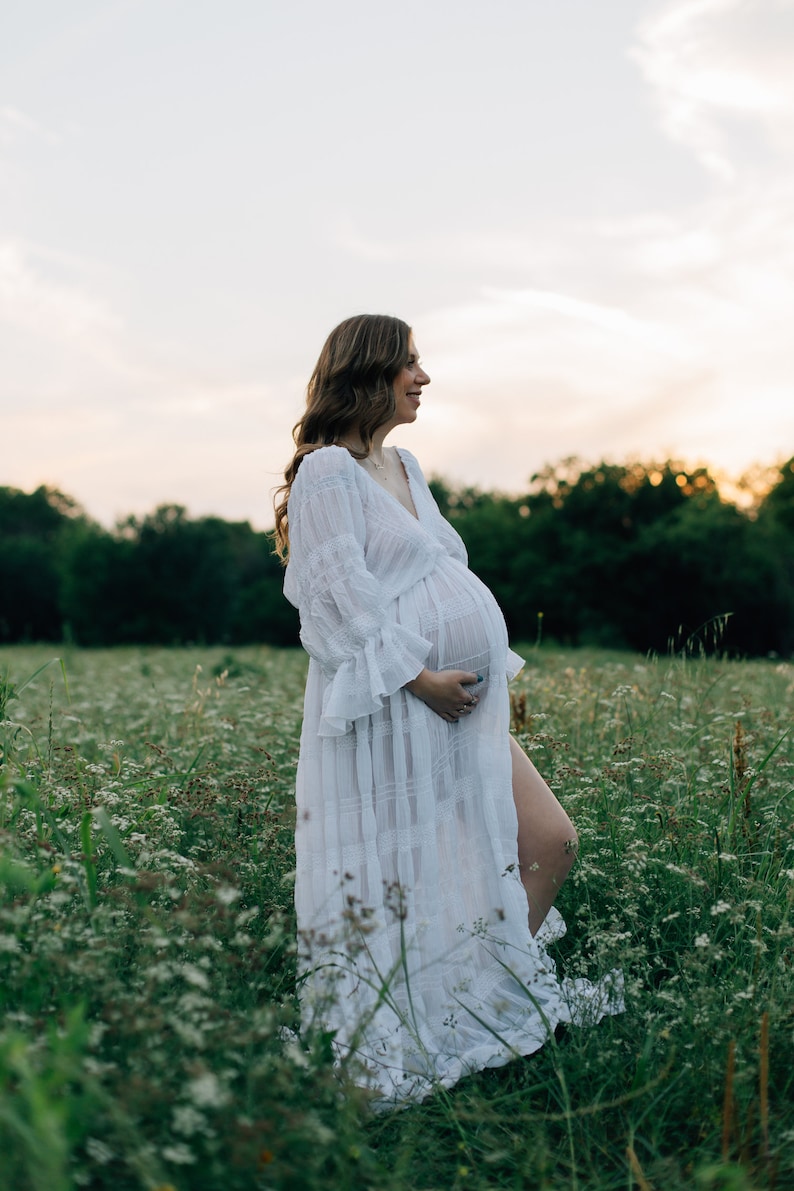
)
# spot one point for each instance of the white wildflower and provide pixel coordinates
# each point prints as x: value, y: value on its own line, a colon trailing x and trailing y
x: 720, y: 908
x: 293, y: 1052
x: 195, y: 976
x: 179, y: 1154
x: 97, y: 1032
x: 189, y: 1034
x: 702, y: 940
x: 206, y: 1091
x: 188, y: 1120
x: 161, y: 971
x: 97, y: 1150
x: 245, y: 916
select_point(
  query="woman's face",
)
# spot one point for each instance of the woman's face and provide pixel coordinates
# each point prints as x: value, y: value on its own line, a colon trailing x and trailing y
x: 408, y: 385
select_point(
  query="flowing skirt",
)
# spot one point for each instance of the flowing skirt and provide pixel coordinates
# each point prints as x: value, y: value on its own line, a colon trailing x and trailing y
x: 414, y: 943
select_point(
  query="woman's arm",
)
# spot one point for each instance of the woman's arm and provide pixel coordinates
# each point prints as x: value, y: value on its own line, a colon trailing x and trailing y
x: 345, y: 622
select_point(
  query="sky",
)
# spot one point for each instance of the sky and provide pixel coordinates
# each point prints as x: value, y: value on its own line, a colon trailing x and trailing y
x: 585, y: 211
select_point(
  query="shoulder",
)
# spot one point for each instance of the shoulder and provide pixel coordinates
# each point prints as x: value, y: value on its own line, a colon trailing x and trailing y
x: 411, y: 465
x: 326, y: 465
x: 410, y: 461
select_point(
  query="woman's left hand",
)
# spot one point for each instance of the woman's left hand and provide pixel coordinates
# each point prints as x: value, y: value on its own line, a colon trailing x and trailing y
x: 444, y: 692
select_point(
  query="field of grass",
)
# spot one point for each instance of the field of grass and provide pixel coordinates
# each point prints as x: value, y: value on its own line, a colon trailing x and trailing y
x: 147, y: 959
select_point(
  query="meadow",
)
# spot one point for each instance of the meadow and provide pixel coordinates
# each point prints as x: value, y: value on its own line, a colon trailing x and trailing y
x: 147, y: 952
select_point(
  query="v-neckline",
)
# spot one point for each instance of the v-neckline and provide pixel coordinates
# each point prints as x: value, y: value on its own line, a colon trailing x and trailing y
x: 390, y: 495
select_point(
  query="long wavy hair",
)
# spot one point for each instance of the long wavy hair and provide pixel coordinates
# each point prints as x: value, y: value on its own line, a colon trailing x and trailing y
x: 350, y: 393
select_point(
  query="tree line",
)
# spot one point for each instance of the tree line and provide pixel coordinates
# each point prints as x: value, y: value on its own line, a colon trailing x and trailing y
x: 637, y: 556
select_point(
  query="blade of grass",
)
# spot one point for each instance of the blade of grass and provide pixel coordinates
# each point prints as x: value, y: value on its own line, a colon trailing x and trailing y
x: 111, y: 834
x: 88, y: 860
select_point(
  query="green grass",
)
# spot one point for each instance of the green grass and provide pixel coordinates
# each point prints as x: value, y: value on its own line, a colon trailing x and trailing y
x: 147, y: 957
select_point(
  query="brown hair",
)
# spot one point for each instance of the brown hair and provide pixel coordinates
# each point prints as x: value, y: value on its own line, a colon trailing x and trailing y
x: 350, y: 392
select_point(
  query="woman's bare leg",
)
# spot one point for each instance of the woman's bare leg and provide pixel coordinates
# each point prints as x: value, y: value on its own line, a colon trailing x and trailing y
x: 547, y: 839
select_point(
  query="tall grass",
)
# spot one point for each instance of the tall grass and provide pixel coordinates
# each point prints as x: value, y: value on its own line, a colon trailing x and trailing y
x: 147, y: 960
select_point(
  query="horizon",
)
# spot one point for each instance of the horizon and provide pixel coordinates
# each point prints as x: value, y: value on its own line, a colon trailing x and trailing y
x: 745, y: 492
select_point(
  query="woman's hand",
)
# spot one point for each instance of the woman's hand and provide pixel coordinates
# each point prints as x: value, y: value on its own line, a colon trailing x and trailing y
x: 444, y: 692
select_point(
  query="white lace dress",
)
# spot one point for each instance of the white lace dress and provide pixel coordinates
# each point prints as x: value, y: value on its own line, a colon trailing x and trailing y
x: 414, y: 944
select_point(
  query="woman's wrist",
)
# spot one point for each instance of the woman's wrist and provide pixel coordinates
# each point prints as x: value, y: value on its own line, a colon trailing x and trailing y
x: 417, y: 683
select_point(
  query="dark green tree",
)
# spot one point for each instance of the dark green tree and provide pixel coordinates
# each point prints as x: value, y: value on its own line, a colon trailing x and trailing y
x: 98, y: 600
x: 573, y: 551
x: 704, y: 561
x: 633, y: 555
x: 33, y: 528
x: 637, y: 555
x: 167, y: 579
x: 776, y: 530
x: 778, y: 505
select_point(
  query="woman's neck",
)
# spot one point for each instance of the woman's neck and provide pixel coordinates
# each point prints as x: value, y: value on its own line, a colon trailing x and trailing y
x: 376, y: 447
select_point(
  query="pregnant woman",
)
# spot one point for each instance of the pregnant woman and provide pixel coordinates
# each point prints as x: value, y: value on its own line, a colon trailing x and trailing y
x: 429, y: 849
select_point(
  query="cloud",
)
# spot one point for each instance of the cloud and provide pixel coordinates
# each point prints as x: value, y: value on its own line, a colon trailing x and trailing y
x: 723, y: 272
x: 117, y: 419
x: 512, y: 336
x: 690, y: 357
x: 57, y: 312
x: 51, y: 303
x: 528, y: 376
x: 609, y: 319
x: 716, y: 66
x: 16, y: 126
x: 478, y: 248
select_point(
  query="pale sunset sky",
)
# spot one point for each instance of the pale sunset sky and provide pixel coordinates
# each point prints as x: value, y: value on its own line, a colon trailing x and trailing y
x: 585, y: 209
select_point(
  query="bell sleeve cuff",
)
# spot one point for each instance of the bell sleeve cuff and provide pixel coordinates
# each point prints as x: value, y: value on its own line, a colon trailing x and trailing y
x: 384, y: 663
x: 514, y: 664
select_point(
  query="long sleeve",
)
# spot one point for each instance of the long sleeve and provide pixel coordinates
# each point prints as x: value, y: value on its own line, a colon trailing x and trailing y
x: 344, y: 608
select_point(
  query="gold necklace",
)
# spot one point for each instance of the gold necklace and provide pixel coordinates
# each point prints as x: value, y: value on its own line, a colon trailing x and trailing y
x: 368, y: 458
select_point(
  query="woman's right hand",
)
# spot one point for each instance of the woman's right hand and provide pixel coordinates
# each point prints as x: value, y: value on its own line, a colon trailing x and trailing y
x: 444, y: 692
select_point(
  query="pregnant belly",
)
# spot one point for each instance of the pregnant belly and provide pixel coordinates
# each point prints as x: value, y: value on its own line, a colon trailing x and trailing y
x: 453, y: 610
